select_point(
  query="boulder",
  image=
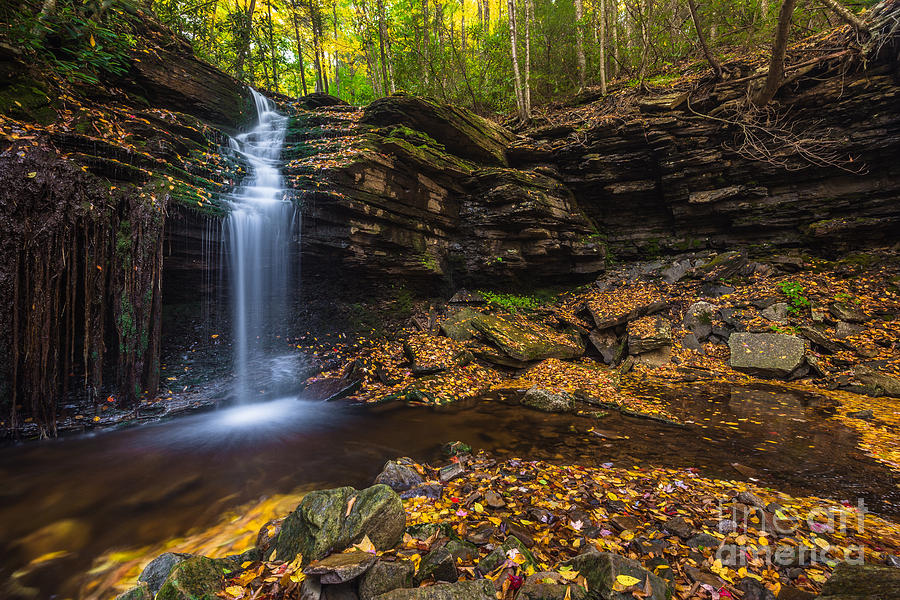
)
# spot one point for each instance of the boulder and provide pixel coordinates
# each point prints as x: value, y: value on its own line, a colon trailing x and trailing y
x: 698, y: 319
x: 649, y: 333
x: 399, y: 475
x: 607, y: 343
x: 528, y: 342
x: 501, y: 553
x: 481, y: 589
x: 886, y: 384
x: 766, y: 354
x: 157, y: 570
x: 328, y: 521
x: 843, y: 311
x: 196, y: 578
x: 862, y: 582
x: 601, y: 569
x: 844, y: 329
x: 460, y: 131
x: 138, y: 592
x: 547, y: 585
x: 547, y: 401
x: 428, y: 490
x: 431, y: 354
x: 385, y: 576
x: 777, y: 312
x: 816, y: 335
x: 606, y: 316
x: 341, y: 567
x: 458, y: 324
x: 438, y: 564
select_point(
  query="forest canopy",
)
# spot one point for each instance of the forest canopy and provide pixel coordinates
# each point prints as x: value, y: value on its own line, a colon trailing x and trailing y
x: 491, y: 55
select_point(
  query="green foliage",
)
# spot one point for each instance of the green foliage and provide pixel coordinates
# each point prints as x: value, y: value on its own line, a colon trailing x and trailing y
x: 82, y: 41
x: 794, y: 292
x: 513, y: 302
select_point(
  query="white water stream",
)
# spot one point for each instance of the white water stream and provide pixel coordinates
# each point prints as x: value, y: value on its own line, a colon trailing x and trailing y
x: 258, y: 234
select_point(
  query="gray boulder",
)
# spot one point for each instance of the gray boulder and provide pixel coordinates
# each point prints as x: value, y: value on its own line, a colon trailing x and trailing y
x: 458, y: 325
x: 547, y: 401
x: 778, y: 312
x: 399, y: 475
x: 328, y: 521
x: 881, y: 382
x: 547, y: 586
x: 843, y: 311
x: 341, y: 567
x: 138, y: 592
x: 501, y: 553
x: 608, y: 345
x: 384, y: 577
x: 158, y: 569
x: 698, y: 319
x: 196, y: 578
x: 438, y: 564
x: 649, y: 333
x: 766, y: 354
x: 601, y: 569
x: 862, y: 582
x: 481, y: 589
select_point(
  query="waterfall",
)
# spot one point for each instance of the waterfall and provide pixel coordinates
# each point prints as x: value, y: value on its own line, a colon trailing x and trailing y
x: 257, y: 232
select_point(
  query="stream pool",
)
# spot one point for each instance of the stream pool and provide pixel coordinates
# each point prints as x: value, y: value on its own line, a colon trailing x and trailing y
x: 64, y: 503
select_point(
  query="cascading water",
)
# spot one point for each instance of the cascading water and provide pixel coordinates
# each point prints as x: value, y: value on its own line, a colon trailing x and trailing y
x: 258, y: 233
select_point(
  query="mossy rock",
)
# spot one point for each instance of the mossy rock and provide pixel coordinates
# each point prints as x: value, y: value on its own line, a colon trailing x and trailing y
x: 500, y: 554
x: 325, y: 521
x: 601, y: 570
x: 862, y: 582
x: 138, y: 592
x: 528, y: 342
x: 197, y: 578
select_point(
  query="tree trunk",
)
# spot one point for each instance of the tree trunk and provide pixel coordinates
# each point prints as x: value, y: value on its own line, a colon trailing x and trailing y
x: 716, y: 67
x: 776, y: 64
x: 316, y: 45
x: 272, y: 47
x: 602, y: 44
x: 243, y: 53
x: 529, y: 21
x: 844, y: 13
x: 517, y: 76
x: 579, y: 43
x: 426, y: 32
x: 299, y: 46
x: 381, y: 35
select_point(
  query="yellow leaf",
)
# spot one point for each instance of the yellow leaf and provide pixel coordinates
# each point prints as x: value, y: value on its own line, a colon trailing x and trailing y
x: 821, y: 543
x: 32, y: 175
x: 569, y: 575
x: 627, y: 580
x: 92, y: 41
x: 611, y: 496
x: 235, y: 591
x: 763, y: 541
x: 627, y: 535
x: 478, y: 507
x: 365, y: 545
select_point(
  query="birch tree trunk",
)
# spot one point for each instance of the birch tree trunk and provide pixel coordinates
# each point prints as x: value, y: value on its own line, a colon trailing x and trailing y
x: 579, y: 43
x: 602, y: 45
x: 529, y: 20
x: 514, y: 43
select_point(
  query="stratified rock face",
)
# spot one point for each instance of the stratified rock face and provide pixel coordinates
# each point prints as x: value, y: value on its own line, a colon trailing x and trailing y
x: 462, y: 132
x: 766, y: 354
x: 670, y: 181
x: 331, y: 520
x: 177, y: 80
x: 410, y: 200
